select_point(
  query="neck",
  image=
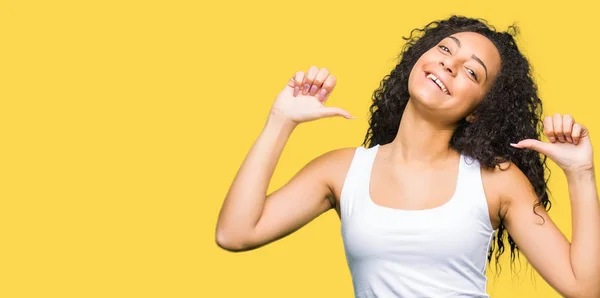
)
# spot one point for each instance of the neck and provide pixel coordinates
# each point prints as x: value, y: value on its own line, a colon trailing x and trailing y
x: 421, y: 140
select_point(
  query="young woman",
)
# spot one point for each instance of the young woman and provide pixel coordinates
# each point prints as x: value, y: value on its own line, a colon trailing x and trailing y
x: 451, y: 156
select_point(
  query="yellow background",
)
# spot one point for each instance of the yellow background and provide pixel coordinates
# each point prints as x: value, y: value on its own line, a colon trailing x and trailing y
x: 122, y: 124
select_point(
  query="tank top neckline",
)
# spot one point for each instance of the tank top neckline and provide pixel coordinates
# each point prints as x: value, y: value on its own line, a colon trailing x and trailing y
x: 446, y: 204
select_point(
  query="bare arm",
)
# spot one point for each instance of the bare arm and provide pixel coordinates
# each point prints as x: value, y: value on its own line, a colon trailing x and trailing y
x: 573, y: 269
x: 249, y: 218
x: 570, y: 268
x: 585, y: 247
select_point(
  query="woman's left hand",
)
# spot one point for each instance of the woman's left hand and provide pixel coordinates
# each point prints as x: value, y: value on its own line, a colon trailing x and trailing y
x: 569, y: 147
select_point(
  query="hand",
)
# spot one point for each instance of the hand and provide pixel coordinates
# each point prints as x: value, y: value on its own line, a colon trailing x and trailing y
x: 569, y: 147
x: 302, y: 99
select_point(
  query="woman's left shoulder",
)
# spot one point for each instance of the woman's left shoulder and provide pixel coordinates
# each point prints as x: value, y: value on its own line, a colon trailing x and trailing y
x: 504, y: 172
x: 502, y: 184
x: 505, y: 176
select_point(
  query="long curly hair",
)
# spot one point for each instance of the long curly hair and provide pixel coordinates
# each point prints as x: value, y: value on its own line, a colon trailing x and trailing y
x: 510, y: 112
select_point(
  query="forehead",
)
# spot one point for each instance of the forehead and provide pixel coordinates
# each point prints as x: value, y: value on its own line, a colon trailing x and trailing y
x: 481, y: 47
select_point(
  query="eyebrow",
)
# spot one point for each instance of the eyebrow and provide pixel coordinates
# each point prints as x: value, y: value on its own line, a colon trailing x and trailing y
x: 473, y: 56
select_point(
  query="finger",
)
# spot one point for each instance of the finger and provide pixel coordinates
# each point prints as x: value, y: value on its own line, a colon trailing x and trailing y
x: 534, y: 144
x: 549, y: 129
x: 326, y: 88
x: 557, y: 122
x: 309, y: 78
x: 319, y: 79
x: 291, y: 83
x: 576, y: 133
x: 299, y: 78
x: 568, y: 122
x: 332, y: 111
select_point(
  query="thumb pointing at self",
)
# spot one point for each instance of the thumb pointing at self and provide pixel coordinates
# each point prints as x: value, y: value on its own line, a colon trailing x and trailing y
x: 534, y: 144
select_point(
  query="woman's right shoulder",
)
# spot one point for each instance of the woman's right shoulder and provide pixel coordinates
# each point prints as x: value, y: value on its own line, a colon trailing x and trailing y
x: 337, y: 158
x: 334, y: 166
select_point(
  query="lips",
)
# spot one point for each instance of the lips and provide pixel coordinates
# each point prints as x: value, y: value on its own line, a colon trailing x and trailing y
x: 438, y: 82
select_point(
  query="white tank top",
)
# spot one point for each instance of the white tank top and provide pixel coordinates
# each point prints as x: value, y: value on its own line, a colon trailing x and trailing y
x: 437, y: 252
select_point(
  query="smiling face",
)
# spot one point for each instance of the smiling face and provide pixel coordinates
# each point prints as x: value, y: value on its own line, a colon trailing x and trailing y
x: 453, y: 77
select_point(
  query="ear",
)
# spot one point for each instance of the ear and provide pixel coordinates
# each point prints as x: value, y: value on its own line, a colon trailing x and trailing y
x: 471, y: 118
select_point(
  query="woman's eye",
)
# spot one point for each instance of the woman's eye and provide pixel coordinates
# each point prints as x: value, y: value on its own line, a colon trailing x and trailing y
x: 445, y: 49
x: 472, y: 73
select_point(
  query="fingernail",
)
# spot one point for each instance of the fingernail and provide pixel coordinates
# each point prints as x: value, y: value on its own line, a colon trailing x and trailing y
x: 296, y: 90
x: 313, y: 90
x: 513, y: 144
x: 322, y: 94
x: 305, y: 90
x: 552, y: 139
x: 569, y: 140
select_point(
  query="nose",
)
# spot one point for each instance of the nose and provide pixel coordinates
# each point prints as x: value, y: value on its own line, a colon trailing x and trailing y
x: 449, y: 65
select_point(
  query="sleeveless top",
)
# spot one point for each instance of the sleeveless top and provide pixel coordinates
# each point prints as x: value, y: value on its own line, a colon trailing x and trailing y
x: 437, y: 252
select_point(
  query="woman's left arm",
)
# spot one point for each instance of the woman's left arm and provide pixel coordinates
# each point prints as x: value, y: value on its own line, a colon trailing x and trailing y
x: 572, y: 269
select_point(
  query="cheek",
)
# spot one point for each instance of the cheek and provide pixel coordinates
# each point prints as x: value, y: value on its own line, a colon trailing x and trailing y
x: 412, y: 78
x: 468, y: 92
x: 466, y: 97
x: 418, y: 67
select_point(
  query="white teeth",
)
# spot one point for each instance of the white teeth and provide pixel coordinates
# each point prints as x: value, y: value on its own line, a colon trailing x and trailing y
x: 438, y: 82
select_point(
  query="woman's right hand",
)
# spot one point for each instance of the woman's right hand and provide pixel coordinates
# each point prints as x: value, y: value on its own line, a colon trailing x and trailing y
x: 304, y: 96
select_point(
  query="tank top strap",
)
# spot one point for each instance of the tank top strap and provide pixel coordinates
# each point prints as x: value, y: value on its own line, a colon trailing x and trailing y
x: 470, y: 192
x: 356, y: 187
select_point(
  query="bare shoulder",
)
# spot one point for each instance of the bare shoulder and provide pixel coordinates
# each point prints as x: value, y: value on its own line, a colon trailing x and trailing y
x: 337, y: 157
x: 506, y: 184
x: 506, y: 172
x: 330, y: 162
x: 503, y: 184
x: 335, y: 165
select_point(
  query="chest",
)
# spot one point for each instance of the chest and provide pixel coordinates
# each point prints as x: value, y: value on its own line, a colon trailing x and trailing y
x: 408, y: 237
x: 412, y: 188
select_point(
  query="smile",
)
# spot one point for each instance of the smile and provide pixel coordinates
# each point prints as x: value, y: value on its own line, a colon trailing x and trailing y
x: 439, y: 83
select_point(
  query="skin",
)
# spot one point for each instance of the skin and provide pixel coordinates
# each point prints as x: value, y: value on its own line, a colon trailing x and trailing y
x: 251, y: 218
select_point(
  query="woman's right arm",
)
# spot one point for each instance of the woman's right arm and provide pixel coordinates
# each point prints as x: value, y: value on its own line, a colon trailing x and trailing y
x: 250, y: 218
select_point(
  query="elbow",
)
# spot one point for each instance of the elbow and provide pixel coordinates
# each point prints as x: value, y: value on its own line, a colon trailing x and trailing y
x: 229, y: 242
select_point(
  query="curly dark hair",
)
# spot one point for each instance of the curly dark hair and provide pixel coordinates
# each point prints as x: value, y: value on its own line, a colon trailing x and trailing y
x: 510, y: 112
